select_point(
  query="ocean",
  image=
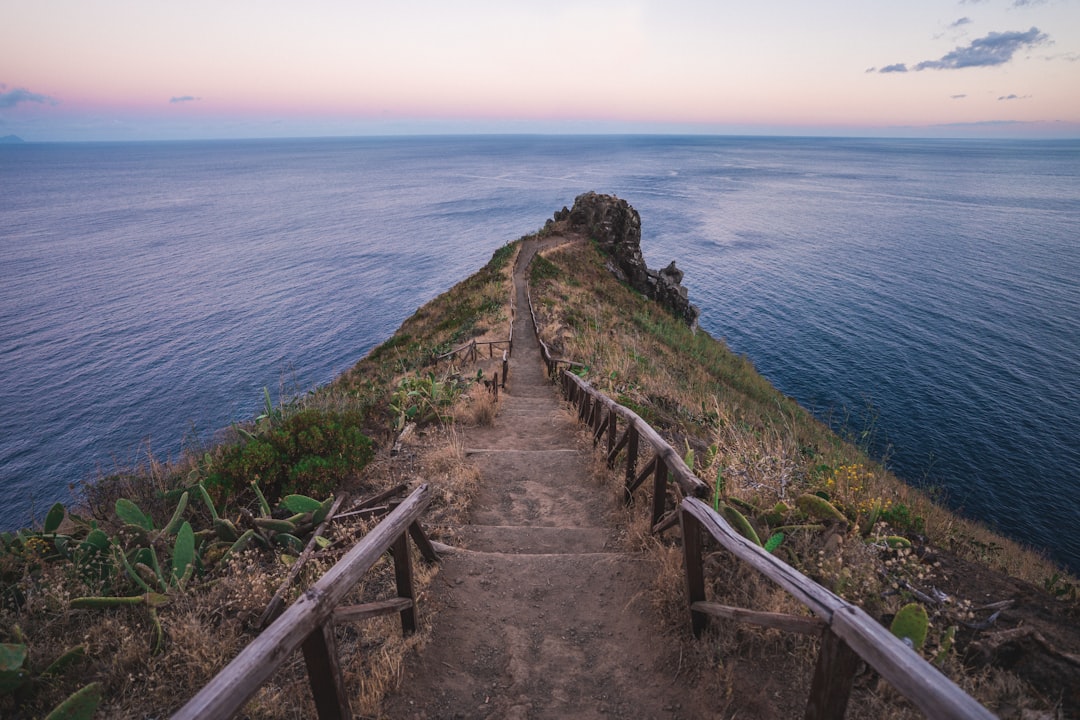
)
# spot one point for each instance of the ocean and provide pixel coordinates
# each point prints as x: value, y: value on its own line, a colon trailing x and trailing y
x: 923, y: 296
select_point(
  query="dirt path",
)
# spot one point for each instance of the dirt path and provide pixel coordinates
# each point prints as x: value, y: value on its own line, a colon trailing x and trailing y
x: 539, y: 614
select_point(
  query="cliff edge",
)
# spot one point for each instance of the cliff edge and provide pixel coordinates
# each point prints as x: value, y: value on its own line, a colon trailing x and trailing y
x: 616, y: 227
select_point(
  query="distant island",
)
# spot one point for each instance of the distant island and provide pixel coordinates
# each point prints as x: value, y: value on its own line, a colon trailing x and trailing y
x: 11, y: 140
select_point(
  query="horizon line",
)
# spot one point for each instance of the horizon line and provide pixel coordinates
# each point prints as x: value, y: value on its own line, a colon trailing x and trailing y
x: 912, y: 134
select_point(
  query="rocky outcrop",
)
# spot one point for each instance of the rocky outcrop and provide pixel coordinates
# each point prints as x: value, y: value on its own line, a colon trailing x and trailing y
x: 616, y: 228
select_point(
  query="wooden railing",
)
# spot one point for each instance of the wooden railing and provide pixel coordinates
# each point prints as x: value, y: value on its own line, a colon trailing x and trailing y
x: 471, y: 350
x: 603, y: 416
x: 847, y: 633
x: 550, y: 361
x: 309, y: 622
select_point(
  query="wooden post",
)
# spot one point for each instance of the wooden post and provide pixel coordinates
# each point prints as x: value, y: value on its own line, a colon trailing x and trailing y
x: 403, y: 576
x: 631, y: 452
x: 614, y: 452
x: 612, y: 431
x: 695, y: 571
x: 632, y: 485
x: 324, y: 673
x: 224, y: 695
x: 659, y: 491
x: 506, y: 367
x: 600, y: 426
x: 833, y: 678
x: 427, y: 550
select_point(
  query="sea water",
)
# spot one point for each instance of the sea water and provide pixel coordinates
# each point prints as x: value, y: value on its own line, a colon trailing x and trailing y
x: 923, y: 296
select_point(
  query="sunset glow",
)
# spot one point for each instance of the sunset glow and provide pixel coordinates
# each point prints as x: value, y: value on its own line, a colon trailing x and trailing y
x: 134, y: 70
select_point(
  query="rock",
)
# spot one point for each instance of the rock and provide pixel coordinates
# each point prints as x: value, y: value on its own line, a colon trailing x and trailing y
x: 616, y: 228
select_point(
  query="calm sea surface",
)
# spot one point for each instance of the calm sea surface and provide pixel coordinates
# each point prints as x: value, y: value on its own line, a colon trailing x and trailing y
x: 924, y: 292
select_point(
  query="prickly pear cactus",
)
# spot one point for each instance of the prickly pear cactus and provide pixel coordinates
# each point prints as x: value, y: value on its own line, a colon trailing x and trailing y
x: 738, y: 521
x: 819, y: 507
x: 910, y: 625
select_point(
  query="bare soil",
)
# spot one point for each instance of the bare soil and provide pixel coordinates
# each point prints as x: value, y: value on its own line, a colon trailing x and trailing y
x: 540, y: 612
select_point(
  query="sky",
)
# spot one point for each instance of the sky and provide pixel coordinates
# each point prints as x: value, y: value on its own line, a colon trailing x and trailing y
x: 153, y: 70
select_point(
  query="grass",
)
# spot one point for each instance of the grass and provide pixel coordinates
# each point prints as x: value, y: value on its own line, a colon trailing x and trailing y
x: 336, y: 438
x: 762, y: 451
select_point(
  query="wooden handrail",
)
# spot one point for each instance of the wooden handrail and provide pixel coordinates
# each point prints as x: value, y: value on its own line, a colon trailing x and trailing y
x: 847, y: 632
x: 307, y: 622
x: 901, y: 666
x: 682, y: 474
x: 472, y: 344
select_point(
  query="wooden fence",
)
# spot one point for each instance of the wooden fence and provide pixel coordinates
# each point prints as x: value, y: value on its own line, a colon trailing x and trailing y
x: 847, y: 633
x: 309, y: 623
x: 470, y: 351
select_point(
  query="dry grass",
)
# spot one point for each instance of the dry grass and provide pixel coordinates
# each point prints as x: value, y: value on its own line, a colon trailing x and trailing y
x: 700, y: 395
x: 478, y: 407
x: 759, y: 448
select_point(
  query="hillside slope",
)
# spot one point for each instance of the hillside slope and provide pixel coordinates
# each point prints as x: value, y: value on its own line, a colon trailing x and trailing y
x: 1003, y: 619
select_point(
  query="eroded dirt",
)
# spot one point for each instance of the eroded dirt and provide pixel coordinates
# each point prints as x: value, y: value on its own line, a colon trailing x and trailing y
x: 539, y: 612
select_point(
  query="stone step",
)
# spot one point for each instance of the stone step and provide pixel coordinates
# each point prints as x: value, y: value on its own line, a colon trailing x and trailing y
x: 530, y: 391
x: 530, y: 540
x: 537, y: 634
x: 523, y: 436
x: 538, y: 504
x: 516, y: 405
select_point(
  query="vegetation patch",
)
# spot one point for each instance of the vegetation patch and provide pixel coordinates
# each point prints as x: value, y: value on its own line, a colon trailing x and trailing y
x: 816, y: 500
x: 129, y: 600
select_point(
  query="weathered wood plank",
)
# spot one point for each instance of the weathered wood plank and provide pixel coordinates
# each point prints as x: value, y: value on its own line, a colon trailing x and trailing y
x: 634, y: 484
x: 232, y: 687
x: 659, y: 496
x: 427, y: 550
x: 614, y: 452
x: 612, y: 430
x: 669, y: 521
x: 631, y: 452
x: 366, y: 512
x: 779, y: 621
x: 689, y: 483
x: 376, y: 499
x: 600, y: 427
x: 820, y: 601
x: 403, y: 576
x: 906, y: 670
x: 274, y: 606
x: 365, y: 611
x: 834, y: 675
x: 324, y: 674
x: 695, y: 569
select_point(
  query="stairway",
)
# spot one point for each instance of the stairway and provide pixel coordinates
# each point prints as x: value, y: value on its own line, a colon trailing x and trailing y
x: 539, y: 613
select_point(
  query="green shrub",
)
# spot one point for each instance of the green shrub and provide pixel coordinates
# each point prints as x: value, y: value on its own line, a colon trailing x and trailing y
x: 542, y: 269
x: 307, y: 452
